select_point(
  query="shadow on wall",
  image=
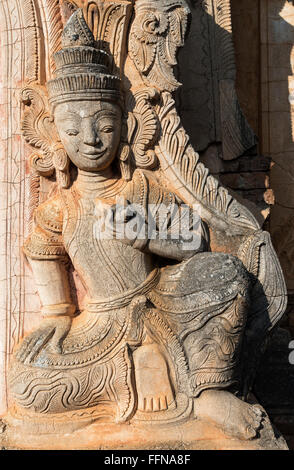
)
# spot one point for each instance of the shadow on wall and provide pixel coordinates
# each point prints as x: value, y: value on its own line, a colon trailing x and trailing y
x: 209, y: 56
x: 204, y: 65
x: 277, y: 367
x: 274, y: 71
x: 209, y: 107
x: 275, y: 380
x: 281, y: 136
x: 263, y: 38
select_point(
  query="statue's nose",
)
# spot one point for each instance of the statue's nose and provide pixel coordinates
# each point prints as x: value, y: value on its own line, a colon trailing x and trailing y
x: 91, y: 136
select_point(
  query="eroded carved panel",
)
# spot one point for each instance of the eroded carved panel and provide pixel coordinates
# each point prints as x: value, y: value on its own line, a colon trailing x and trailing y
x: 167, y: 330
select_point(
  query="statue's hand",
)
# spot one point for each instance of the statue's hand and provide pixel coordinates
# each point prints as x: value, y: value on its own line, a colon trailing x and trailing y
x: 52, y: 332
x: 125, y: 223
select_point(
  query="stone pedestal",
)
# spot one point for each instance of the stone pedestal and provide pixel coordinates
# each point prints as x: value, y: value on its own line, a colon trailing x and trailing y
x: 192, y: 435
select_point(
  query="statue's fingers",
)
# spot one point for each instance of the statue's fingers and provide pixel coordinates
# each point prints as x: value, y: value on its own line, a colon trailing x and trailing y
x: 39, y: 343
x: 30, y: 350
x: 149, y: 404
x: 60, y: 333
x: 21, y: 353
x: 109, y: 230
x: 141, y: 404
x: 21, y: 347
x: 55, y: 346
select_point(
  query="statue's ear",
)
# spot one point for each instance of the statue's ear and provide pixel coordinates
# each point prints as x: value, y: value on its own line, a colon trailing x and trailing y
x: 39, y: 131
x: 61, y: 164
x: 125, y: 161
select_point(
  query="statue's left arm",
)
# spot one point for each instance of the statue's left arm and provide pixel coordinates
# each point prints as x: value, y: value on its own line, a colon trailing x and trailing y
x: 179, y: 247
x: 173, y: 230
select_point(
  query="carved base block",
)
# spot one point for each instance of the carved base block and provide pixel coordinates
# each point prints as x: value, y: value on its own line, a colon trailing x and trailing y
x: 191, y: 435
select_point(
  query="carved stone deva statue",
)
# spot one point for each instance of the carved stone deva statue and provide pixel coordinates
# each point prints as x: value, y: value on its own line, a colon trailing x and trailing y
x: 165, y: 334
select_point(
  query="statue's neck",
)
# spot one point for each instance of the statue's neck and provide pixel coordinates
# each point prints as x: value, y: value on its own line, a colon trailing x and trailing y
x: 96, y: 184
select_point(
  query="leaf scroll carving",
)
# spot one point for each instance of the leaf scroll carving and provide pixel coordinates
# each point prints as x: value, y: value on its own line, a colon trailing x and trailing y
x: 39, y: 131
x: 143, y: 127
x: 156, y: 34
x: 191, y: 178
x: 108, y: 21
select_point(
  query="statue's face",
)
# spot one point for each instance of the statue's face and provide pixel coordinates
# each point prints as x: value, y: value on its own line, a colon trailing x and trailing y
x: 90, y: 132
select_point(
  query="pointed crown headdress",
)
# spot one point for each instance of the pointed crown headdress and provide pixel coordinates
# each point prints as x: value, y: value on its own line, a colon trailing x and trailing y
x: 82, y: 70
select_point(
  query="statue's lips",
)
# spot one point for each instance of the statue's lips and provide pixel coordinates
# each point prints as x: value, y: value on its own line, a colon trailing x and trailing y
x: 93, y: 154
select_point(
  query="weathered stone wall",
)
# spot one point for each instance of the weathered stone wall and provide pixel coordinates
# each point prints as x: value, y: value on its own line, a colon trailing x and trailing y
x: 263, y: 35
x: 277, y: 140
x: 18, y: 295
x: 205, y: 64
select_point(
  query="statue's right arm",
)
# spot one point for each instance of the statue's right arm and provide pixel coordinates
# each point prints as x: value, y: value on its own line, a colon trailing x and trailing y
x: 47, y: 257
x: 51, y: 280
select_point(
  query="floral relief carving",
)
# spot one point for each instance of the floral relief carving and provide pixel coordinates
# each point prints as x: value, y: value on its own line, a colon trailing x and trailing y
x: 156, y: 34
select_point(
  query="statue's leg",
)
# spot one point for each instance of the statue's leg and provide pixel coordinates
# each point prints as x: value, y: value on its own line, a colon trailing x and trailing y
x: 88, y: 372
x: 152, y: 379
x: 206, y: 305
x: 218, y: 358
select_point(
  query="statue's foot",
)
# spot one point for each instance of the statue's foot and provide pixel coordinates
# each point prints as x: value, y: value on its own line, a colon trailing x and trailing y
x: 152, y: 379
x: 234, y: 416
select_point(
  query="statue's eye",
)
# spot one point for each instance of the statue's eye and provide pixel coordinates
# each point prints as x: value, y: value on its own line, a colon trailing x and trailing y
x: 72, y: 132
x: 107, y: 129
